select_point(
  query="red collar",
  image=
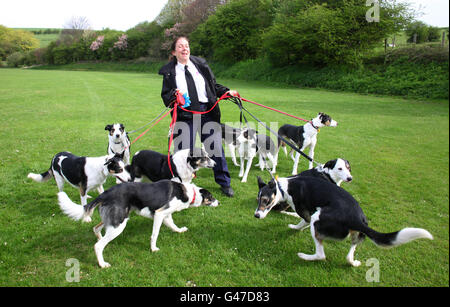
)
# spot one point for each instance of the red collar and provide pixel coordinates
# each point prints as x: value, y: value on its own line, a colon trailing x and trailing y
x: 193, y: 199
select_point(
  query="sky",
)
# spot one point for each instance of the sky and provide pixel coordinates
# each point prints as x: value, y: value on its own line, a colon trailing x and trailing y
x: 123, y: 15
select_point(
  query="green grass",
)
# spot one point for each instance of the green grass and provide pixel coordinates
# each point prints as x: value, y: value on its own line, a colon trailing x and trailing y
x: 399, y: 151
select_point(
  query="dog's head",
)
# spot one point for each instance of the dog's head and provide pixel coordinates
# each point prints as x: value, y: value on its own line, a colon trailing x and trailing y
x: 116, y: 167
x: 247, y: 135
x: 200, y: 196
x: 116, y: 131
x: 339, y: 170
x: 208, y: 199
x: 198, y: 158
x: 324, y: 120
x: 267, y: 197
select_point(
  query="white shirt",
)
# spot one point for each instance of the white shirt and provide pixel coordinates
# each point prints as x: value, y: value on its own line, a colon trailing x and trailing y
x: 198, y: 79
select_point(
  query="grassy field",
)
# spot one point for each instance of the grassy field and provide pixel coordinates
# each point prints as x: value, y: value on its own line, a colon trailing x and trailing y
x: 399, y: 151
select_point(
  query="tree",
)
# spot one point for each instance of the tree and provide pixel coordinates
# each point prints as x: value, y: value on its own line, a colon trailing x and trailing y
x: 12, y: 41
x: 330, y: 31
x: 233, y: 33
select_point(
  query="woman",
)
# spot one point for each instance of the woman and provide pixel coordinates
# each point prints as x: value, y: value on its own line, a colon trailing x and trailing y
x: 191, y: 75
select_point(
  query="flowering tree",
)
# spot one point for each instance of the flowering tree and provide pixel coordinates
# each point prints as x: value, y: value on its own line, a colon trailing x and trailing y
x: 97, y: 43
x: 122, y: 43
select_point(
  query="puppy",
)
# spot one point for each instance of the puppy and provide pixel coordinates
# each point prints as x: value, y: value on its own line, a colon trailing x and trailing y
x: 332, y: 213
x: 155, y: 166
x: 84, y: 173
x: 304, y: 136
x: 152, y: 200
x: 118, y: 141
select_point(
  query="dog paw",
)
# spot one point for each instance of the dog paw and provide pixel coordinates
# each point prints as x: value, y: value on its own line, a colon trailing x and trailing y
x: 104, y: 265
x: 155, y: 249
x: 183, y: 229
x: 87, y: 219
x: 355, y: 263
x: 292, y: 226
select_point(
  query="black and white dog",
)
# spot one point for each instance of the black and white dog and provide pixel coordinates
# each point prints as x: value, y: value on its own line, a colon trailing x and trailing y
x: 335, y: 171
x: 152, y: 200
x: 332, y: 213
x: 118, y: 141
x: 85, y: 173
x: 304, y: 136
x: 155, y: 166
x: 251, y: 144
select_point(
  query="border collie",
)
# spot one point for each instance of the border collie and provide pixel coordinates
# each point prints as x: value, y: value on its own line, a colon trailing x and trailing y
x: 304, y: 136
x: 152, y: 200
x: 85, y: 173
x: 332, y: 213
x: 155, y: 166
x: 118, y: 141
x: 335, y: 171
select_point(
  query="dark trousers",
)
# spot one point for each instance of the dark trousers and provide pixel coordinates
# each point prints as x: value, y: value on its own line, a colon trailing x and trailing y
x: 184, y: 137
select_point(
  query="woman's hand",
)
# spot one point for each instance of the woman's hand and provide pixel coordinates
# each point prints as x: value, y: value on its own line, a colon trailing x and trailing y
x: 233, y: 93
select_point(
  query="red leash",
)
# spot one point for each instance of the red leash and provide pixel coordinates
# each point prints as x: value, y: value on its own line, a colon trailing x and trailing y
x: 143, y: 133
x: 261, y: 105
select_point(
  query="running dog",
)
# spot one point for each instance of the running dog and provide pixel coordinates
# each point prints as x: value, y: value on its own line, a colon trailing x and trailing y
x: 332, y: 213
x: 155, y: 166
x: 304, y: 136
x: 118, y: 141
x: 152, y: 200
x: 84, y: 173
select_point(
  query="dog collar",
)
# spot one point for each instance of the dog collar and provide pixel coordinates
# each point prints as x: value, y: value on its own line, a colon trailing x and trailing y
x: 193, y: 199
x: 279, y: 188
x: 312, y: 124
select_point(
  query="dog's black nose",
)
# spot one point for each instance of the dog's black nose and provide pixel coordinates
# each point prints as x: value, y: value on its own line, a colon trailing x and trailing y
x: 257, y: 215
x: 349, y: 179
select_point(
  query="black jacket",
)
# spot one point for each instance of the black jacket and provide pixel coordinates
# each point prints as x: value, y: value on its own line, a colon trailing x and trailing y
x: 213, y: 89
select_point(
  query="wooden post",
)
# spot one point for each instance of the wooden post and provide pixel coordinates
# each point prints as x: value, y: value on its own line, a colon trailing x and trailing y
x: 443, y: 39
x: 415, y: 38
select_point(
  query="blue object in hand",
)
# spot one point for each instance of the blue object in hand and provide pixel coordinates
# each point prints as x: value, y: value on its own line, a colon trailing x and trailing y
x: 187, y: 100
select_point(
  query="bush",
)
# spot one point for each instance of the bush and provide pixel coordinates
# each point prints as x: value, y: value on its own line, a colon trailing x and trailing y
x: 16, y: 59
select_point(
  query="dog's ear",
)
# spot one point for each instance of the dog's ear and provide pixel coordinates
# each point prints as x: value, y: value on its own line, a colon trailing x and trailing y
x: 347, y: 164
x: 261, y: 183
x: 108, y: 127
x: 330, y: 164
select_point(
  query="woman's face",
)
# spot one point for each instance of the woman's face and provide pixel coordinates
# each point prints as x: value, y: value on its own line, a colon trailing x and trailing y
x: 182, y: 51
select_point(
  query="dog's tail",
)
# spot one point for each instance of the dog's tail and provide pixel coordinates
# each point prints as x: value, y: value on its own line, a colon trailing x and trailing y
x: 75, y: 211
x: 41, y: 177
x: 395, y: 238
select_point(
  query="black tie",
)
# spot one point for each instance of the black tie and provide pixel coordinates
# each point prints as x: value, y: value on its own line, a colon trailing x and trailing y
x: 191, y: 87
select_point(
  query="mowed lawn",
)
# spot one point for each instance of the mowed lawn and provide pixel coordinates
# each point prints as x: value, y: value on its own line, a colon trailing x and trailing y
x: 398, y: 149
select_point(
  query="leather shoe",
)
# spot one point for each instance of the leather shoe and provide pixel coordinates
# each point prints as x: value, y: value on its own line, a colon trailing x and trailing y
x: 228, y: 191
